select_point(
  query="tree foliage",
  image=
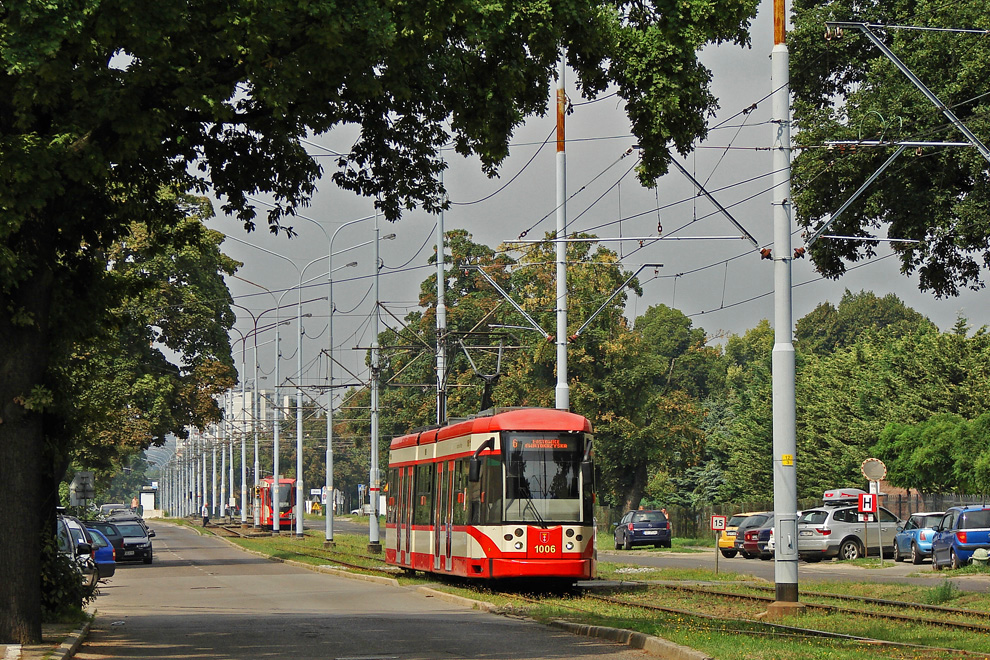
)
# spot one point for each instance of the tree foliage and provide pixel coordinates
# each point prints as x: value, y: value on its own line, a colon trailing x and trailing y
x: 846, y: 89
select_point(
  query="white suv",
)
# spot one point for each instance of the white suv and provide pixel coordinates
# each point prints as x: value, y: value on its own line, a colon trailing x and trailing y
x: 836, y: 530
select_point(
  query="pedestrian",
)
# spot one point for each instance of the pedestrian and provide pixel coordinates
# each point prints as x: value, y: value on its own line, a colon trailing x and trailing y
x: 226, y: 513
x: 206, y: 514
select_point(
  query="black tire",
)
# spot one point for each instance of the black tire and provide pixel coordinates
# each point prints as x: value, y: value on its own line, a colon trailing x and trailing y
x: 897, y: 552
x: 618, y: 545
x: 935, y: 565
x: 850, y: 550
x: 626, y: 542
x: 915, y: 554
x: 658, y: 545
x: 147, y: 560
x: 745, y: 554
x: 954, y: 561
x: 728, y: 554
x: 666, y: 544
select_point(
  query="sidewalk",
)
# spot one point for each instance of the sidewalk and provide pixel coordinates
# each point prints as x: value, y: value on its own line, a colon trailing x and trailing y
x: 59, y: 641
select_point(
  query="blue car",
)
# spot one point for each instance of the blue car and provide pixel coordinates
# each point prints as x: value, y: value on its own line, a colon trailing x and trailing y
x: 642, y: 528
x: 103, y: 554
x: 962, y: 530
x: 914, y: 540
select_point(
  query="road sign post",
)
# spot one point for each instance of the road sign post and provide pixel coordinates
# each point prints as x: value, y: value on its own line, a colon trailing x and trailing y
x: 718, y: 525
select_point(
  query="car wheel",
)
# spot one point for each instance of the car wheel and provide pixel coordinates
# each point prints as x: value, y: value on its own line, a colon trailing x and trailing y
x: 935, y: 565
x: 954, y: 562
x: 666, y: 544
x: 728, y: 554
x: 897, y: 552
x: 745, y: 554
x: 658, y: 545
x: 147, y: 560
x: 626, y: 542
x: 618, y: 544
x: 915, y: 554
x: 850, y: 550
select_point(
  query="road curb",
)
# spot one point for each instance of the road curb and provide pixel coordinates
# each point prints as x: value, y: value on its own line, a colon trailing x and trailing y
x: 656, y: 646
x: 458, y: 600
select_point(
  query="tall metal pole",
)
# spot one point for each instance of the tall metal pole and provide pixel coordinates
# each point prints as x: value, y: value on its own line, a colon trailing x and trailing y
x: 222, y: 503
x: 328, y: 540
x: 300, y: 507
x: 213, y: 468
x: 255, y: 423
x: 373, y: 484
x: 784, y: 434
x: 276, y: 502
x: 441, y: 361
x: 243, y: 430
x: 561, y: 393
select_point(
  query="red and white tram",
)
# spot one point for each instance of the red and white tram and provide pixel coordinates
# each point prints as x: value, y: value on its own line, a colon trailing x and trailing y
x: 285, y: 495
x: 506, y: 494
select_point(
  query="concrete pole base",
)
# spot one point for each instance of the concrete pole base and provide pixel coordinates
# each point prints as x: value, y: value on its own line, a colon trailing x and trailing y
x: 376, y: 548
x: 329, y: 544
x: 780, y: 609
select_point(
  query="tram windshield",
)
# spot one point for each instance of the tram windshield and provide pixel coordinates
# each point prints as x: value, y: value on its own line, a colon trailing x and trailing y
x: 543, y: 476
x: 285, y: 497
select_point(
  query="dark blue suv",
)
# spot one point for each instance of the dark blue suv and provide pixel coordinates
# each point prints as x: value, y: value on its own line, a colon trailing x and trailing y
x: 643, y: 528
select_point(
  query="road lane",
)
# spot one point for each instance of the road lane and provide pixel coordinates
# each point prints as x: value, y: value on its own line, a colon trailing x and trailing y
x: 203, y: 598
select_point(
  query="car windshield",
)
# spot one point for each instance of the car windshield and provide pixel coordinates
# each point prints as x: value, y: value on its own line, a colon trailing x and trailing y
x: 927, y: 521
x: 735, y: 521
x: 975, y: 519
x: 754, y: 521
x: 130, y: 529
x: 98, y: 541
x: 649, y: 516
x: 813, y: 517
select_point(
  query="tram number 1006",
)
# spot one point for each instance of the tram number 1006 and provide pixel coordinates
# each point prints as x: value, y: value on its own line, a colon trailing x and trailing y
x: 546, y: 549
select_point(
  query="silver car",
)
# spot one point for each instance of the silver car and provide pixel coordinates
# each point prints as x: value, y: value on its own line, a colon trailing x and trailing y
x: 836, y: 530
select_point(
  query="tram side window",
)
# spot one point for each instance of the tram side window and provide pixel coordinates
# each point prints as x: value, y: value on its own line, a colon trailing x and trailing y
x: 460, y: 492
x: 485, y: 496
x: 423, y: 500
x: 392, y: 503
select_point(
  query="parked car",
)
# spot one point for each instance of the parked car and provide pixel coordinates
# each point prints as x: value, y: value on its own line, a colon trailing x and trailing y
x: 76, y: 543
x: 109, y: 530
x: 137, y: 542
x: 727, y: 538
x: 755, y: 539
x: 103, y: 554
x: 127, y: 516
x: 753, y: 521
x: 960, y: 532
x: 643, y: 527
x: 836, y: 530
x: 108, y: 509
x: 915, y: 539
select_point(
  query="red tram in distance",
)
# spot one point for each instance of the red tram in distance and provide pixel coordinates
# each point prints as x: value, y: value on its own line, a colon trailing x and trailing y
x: 286, y: 493
x: 505, y: 494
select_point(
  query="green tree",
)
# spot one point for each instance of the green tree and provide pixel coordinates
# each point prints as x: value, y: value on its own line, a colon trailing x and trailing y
x: 827, y: 328
x: 846, y: 89
x: 105, y: 104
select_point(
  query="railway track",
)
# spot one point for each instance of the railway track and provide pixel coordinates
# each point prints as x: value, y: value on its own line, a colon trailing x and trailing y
x: 893, y: 616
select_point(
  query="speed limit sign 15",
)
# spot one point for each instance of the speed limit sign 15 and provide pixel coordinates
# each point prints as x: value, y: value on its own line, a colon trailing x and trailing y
x: 718, y: 523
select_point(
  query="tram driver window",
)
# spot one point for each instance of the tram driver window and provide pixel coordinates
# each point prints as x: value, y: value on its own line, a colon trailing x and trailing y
x: 485, y: 495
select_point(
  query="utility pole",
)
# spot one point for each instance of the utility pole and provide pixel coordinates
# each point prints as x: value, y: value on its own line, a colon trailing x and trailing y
x: 561, y: 393
x: 373, y: 483
x: 441, y: 360
x: 784, y: 407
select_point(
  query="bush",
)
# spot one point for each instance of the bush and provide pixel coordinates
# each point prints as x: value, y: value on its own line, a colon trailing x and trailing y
x: 62, y: 592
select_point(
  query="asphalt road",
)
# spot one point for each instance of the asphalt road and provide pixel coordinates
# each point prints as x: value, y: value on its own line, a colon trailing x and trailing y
x: 823, y: 571
x: 202, y: 598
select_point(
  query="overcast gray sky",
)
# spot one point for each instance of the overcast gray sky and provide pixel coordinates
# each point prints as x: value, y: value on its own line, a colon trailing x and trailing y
x: 725, y: 287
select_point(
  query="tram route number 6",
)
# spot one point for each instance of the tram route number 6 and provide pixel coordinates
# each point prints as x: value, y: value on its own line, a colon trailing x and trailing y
x: 718, y: 523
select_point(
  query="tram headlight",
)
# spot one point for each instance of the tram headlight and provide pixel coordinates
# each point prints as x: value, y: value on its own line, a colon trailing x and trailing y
x: 569, y: 546
x: 519, y: 545
x: 569, y: 532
